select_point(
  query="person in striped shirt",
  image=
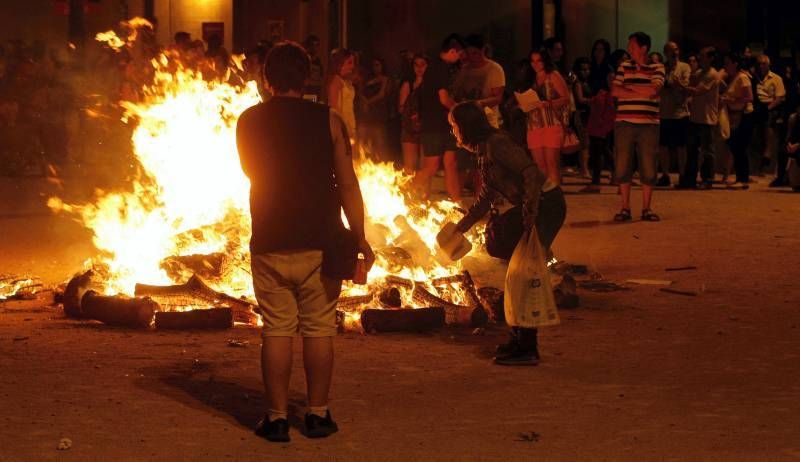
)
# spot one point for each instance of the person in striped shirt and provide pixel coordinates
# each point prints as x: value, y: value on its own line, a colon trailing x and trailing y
x: 636, y: 128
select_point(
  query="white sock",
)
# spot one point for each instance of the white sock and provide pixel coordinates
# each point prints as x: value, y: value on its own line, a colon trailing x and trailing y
x: 321, y: 411
x: 274, y: 415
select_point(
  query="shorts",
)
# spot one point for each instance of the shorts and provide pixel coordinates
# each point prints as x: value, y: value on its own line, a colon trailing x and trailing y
x: 642, y: 139
x: 547, y: 137
x: 293, y: 295
x: 434, y: 144
x: 673, y: 132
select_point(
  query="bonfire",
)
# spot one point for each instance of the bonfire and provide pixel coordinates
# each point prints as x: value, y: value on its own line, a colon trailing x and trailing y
x: 185, y: 218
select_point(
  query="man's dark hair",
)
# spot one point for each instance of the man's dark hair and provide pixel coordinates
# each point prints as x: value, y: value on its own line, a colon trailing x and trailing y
x: 453, y: 41
x: 472, y: 123
x: 550, y: 43
x: 287, y: 67
x: 735, y: 58
x: 475, y: 41
x: 642, y: 39
x: 182, y: 38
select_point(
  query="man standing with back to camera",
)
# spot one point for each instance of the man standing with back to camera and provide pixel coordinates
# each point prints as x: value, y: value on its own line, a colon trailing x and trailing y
x: 298, y: 158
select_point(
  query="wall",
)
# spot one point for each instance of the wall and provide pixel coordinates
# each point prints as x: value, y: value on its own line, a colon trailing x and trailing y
x: 386, y: 27
x: 587, y: 20
x: 46, y: 20
x: 188, y: 15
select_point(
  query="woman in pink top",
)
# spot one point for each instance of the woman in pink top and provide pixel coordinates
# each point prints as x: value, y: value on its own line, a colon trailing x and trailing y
x: 548, y: 117
x: 600, y: 128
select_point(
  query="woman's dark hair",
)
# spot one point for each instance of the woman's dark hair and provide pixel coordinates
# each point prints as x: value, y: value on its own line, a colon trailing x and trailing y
x: 658, y: 56
x: 617, y: 57
x: 547, y: 59
x: 472, y: 123
x: 606, y: 48
x: 287, y: 67
x: 382, y: 63
x: 421, y: 56
x: 576, y: 66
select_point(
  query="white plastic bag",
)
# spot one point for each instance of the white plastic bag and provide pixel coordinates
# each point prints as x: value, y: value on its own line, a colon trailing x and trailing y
x: 529, y: 300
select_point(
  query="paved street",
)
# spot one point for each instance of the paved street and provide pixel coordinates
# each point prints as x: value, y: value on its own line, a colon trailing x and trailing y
x: 712, y: 373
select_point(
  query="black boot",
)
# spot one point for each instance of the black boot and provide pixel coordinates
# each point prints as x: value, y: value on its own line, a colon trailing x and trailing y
x: 512, y: 344
x: 526, y: 353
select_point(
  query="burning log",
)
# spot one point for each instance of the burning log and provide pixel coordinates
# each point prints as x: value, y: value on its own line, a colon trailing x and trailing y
x: 399, y: 282
x: 196, y: 292
x: 118, y: 310
x: 354, y: 302
x: 209, y: 266
x: 214, y: 318
x: 464, y: 280
x: 404, y: 320
x: 455, y: 315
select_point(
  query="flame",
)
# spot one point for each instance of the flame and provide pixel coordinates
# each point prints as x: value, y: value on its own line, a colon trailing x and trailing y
x: 132, y: 27
x: 192, y: 198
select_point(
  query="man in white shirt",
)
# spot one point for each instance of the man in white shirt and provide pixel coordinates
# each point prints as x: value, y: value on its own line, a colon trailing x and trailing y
x: 770, y: 95
x: 674, y: 112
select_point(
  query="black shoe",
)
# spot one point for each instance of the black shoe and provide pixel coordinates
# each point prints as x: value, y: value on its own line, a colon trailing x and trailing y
x: 664, y: 181
x: 777, y: 183
x: 320, y: 427
x: 511, y: 345
x: 276, y: 431
x: 519, y: 357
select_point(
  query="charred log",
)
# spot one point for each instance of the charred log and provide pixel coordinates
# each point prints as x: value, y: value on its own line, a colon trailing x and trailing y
x: 75, y: 290
x: 118, y: 310
x: 390, y: 298
x: 455, y: 315
x: 214, y: 318
x: 406, y: 320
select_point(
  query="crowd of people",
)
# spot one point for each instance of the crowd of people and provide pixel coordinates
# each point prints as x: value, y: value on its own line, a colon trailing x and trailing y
x: 715, y: 114
x: 711, y: 117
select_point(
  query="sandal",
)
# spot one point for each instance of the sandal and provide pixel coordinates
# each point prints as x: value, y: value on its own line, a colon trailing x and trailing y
x: 649, y: 215
x: 623, y: 215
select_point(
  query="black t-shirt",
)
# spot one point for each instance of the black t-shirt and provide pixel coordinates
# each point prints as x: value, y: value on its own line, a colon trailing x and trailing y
x: 286, y: 149
x: 432, y: 114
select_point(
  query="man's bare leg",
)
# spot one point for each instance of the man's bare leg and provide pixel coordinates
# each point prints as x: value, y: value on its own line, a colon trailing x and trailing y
x: 276, y: 367
x: 647, y: 196
x: 451, y: 179
x: 625, y: 195
x: 318, y: 363
x: 430, y: 165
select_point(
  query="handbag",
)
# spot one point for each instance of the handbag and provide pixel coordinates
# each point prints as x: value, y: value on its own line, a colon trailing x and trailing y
x: 340, y: 254
x: 503, y: 232
x: 724, y: 123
